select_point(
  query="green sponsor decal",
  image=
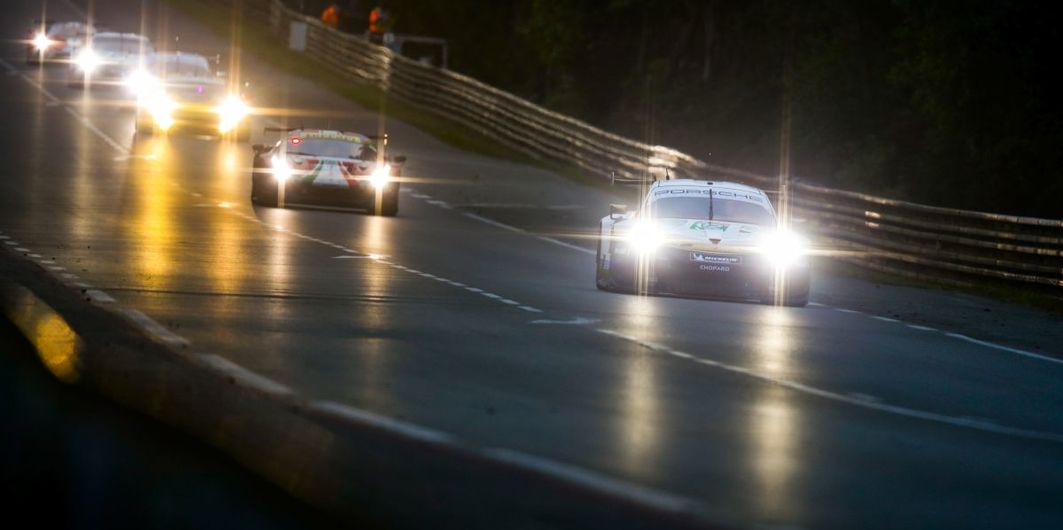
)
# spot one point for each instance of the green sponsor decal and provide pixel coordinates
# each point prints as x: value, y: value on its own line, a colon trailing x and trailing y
x: 707, y: 226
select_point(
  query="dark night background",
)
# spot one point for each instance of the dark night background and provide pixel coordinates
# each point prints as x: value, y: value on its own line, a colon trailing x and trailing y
x: 948, y: 102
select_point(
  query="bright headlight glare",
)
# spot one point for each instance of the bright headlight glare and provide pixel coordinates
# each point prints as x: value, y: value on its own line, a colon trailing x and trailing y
x: 281, y: 170
x: 161, y: 108
x: 644, y: 237
x: 42, y: 42
x: 87, y: 61
x: 141, y: 83
x: 784, y: 248
x: 380, y: 176
x: 230, y: 112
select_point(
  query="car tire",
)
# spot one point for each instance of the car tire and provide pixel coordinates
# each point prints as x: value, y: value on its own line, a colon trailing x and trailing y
x: 389, y: 203
x: 605, y: 280
x: 263, y: 194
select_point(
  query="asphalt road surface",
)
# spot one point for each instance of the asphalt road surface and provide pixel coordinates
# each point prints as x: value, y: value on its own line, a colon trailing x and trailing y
x: 474, y: 312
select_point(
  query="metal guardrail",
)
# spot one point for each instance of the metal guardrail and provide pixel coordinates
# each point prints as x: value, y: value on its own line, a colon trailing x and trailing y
x: 915, y: 240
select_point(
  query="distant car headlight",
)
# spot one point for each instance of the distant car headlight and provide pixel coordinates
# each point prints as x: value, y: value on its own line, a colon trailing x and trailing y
x: 41, y: 42
x: 142, y: 84
x: 645, y: 237
x: 231, y: 112
x: 380, y: 176
x: 281, y: 170
x: 784, y: 248
x: 87, y: 61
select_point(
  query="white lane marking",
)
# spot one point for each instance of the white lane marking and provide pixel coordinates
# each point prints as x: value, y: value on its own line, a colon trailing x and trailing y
x: 567, y: 245
x: 1016, y: 351
x: 33, y: 255
x: 578, y: 321
x: 22, y: 249
x: 864, y: 397
x: 420, y: 196
x: 104, y: 136
x: 494, y: 223
x: 57, y: 268
x: 4, y: 238
x: 158, y: 330
x: 99, y: 296
x: 816, y: 304
x: 11, y: 243
x: 630, y: 492
x: 843, y: 398
x: 244, y: 376
x: 529, y: 309
x: 920, y: 328
x: 437, y: 202
x: 959, y: 336
x: 519, y: 206
x: 69, y: 276
x: 83, y: 285
x: 345, y: 413
x: 884, y: 319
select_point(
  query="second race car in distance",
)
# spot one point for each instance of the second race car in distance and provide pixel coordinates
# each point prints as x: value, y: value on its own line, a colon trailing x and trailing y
x: 108, y: 58
x: 319, y: 167
x: 701, y: 238
x: 55, y: 41
x: 179, y: 89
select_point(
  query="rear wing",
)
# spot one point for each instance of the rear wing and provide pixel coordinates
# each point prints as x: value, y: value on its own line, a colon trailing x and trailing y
x: 654, y: 172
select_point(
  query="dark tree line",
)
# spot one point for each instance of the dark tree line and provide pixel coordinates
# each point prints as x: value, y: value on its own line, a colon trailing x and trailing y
x: 950, y: 102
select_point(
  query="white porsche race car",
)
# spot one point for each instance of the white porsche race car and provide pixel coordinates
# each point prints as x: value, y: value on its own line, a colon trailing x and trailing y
x: 700, y: 238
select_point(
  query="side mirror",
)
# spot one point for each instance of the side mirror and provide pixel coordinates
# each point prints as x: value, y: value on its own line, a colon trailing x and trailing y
x: 400, y: 159
x: 617, y: 210
x: 258, y: 148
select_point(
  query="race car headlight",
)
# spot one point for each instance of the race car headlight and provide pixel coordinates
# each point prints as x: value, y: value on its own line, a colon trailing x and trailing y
x: 645, y: 237
x: 231, y: 112
x: 380, y: 176
x: 87, y: 61
x: 141, y: 84
x: 161, y: 108
x: 784, y: 248
x: 41, y: 42
x: 281, y: 170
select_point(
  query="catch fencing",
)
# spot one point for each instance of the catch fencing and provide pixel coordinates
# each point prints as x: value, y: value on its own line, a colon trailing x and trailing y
x: 945, y: 245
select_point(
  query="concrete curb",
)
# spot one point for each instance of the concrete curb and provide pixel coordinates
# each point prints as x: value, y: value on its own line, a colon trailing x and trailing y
x: 349, y: 462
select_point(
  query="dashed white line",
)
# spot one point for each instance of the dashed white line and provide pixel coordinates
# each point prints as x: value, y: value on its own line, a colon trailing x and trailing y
x: 844, y: 398
x: 1016, y: 351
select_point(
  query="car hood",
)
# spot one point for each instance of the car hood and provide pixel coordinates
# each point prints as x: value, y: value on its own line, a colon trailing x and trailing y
x: 699, y: 233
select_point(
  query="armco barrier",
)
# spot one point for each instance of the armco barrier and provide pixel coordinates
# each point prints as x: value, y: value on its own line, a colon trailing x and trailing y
x: 361, y: 467
x: 948, y: 245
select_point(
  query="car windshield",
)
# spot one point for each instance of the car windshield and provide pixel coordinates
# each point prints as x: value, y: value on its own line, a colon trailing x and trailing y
x: 182, y: 66
x: 715, y: 209
x: 334, y: 148
x: 66, y: 30
x: 120, y: 45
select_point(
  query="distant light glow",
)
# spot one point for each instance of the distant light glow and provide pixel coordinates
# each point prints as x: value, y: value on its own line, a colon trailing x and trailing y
x: 88, y: 61
x: 380, y: 176
x: 231, y: 112
x: 645, y: 237
x: 296, y: 140
x: 41, y: 42
x: 281, y: 171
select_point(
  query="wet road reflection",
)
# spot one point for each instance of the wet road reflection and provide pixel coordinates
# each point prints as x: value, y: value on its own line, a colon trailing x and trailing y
x: 642, y: 412
x: 775, y: 420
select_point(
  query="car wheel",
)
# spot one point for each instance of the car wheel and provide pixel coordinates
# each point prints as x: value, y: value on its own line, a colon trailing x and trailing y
x: 600, y: 279
x: 262, y: 194
x: 389, y: 203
